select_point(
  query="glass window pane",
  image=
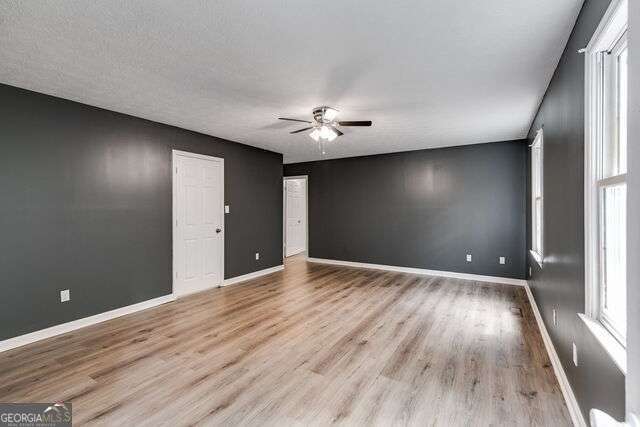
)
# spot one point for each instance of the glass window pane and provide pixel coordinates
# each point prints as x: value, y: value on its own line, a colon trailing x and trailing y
x: 622, y: 111
x: 614, y: 253
x: 609, y: 154
x: 538, y: 230
x: 536, y: 193
x: 614, y: 86
x: 534, y: 173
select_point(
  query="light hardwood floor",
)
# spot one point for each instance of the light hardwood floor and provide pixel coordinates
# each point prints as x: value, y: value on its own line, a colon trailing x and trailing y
x: 312, y: 345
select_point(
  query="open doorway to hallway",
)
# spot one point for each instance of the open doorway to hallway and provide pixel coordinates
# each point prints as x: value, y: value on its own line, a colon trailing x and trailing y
x: 295, y: 239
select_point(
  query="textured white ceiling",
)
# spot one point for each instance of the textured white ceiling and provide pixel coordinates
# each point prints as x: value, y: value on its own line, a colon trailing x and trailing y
x: 429, y: 73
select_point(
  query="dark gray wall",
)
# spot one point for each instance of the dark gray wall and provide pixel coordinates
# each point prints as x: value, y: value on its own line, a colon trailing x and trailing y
x: 86, y: 205
x: 560, y: 284
x: 423, y: 209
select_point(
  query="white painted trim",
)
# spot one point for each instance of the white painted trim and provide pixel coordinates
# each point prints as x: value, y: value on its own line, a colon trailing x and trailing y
x: 612, y: 26
x: 616, y: 12
x: 537, y: 170
x: 197, y: 156
x: 591, y: 128
x: 63, y: 328
x: 253, y: 275
x: 590, y: 195
x: 536, y: 256
x: 284, y: 219
x: 174, y: 214
x: 614, y: 349
x: 563, y: 381
x: 465, y: 276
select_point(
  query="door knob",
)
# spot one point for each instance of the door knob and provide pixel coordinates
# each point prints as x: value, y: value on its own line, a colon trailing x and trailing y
x: 218, y: 230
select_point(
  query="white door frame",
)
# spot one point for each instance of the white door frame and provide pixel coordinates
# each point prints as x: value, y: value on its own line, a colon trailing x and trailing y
x: 174, y: 210
x: 284, y: 213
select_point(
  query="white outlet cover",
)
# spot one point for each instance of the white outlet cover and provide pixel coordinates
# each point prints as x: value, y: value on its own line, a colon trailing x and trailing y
x: 469, y: 257
x: 257, y: 255
x: 575, y: 354
x: 226, y: 208
x: 65, y: 295
x: 502, y: 260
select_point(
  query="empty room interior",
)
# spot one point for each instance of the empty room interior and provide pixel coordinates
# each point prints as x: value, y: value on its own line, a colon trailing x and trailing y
x: 273, y: 213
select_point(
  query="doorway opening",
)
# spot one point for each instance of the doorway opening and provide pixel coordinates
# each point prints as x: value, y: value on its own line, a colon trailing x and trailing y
x: 295, y: 226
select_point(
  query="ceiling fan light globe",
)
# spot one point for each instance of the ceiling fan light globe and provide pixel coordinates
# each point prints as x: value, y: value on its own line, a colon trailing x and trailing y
x: 315, y: 135
x: 327, y: 133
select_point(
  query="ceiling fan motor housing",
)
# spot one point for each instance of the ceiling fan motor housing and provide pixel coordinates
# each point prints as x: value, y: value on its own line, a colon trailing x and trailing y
x: 320, y: 116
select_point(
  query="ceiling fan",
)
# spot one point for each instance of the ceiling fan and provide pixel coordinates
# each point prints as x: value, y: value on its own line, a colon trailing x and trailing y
x: 324, y: 127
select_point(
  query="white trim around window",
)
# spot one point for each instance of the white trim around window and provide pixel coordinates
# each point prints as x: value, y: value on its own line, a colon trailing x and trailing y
x: 537, y: 197
x: 605, y: 179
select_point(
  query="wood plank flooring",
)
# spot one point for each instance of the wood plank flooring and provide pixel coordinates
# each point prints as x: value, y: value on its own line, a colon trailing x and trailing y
x: 312, y: 345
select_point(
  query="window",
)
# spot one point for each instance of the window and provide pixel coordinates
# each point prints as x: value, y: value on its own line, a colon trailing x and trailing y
x: 537, y: 199
x: 605, y: 173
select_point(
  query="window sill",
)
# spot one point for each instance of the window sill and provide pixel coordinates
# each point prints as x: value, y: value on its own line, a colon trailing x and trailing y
x: 536, y: 256
x: 614, y: 349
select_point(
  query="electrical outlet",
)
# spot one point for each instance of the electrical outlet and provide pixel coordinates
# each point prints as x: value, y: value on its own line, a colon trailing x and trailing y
x: 502, y: 260
x: 468, y: 257
x: 257, y: 255
x: 530, y: 272
x: 65, y: 295
x: 575, y: 354
x: 226, y: 208
x: 555, y: 318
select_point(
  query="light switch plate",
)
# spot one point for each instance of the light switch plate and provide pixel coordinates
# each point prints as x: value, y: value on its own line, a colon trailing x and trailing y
x: 257, y: 255
x: 502, y: 260
x: 469, y: 257
x: 65, y: 295
x: 226, y: 208
x: 575, y: 354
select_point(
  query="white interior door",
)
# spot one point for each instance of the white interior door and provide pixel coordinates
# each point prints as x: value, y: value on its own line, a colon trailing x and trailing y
x: 198, y: 238
x: 296, y: 212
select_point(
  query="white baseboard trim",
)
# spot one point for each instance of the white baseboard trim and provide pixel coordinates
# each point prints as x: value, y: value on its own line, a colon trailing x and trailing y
x: 422, y: 271
x: 253, y: 275
x: 565, y: 386
x: 63, y: 328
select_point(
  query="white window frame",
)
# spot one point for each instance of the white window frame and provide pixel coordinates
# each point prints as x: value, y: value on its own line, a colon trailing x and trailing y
x: 612, y: 27
x: 537, y: 195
